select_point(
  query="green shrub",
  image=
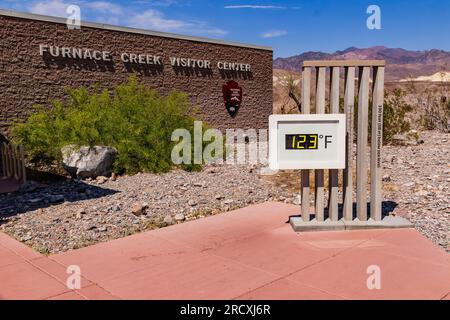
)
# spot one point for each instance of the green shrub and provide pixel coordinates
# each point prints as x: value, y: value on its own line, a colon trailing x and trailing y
x: 436, y: 113
x: 395, y: 110
x: 134, y: 119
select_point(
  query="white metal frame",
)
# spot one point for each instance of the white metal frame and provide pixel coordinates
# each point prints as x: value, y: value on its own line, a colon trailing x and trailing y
x: 331, y: 69
x: 276, y: 164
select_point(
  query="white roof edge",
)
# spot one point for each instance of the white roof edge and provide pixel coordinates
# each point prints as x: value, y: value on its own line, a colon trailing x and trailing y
x: 38, y: 17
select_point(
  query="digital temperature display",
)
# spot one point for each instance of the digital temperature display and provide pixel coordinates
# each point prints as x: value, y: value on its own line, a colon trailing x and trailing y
x: 301, y: 141
x: 307, y: 141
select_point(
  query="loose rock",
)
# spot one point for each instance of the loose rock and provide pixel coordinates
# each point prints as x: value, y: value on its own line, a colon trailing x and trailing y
x: 138, y: 209
x: 168, y: 220
x: 101, y: 179
x: 88, y: 162
x: 179, y: 217
x: 56, y: 198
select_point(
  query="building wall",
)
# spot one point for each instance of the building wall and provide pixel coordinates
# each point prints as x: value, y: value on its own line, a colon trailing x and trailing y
x: 27, y: 78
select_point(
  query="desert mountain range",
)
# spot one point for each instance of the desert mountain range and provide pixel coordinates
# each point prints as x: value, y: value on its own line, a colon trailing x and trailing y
x: 400, y: 63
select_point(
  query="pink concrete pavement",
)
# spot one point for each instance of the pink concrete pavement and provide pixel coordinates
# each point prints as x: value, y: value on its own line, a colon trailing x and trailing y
x: 251, y: 253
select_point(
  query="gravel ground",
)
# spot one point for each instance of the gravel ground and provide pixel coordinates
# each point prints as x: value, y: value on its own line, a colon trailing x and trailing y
x: 418, y: 179
x: 59, y: 217
x: 75, y: 214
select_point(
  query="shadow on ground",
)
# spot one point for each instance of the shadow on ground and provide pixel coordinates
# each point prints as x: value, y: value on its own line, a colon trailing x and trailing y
x: 33, y: 196
x: 387, y: 207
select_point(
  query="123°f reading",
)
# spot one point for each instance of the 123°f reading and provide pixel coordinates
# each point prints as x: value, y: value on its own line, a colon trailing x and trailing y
x: 306, y: 141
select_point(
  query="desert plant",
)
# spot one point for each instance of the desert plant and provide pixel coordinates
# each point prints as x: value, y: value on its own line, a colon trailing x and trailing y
x: 436, y: 113
x: 293, y: 92
x: 291, y: 97
x: 133, y: 118
x: 395, y: 109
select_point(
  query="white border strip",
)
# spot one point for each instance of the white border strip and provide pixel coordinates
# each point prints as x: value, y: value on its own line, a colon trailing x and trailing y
x: 38, y: 17
x: 276, y: 164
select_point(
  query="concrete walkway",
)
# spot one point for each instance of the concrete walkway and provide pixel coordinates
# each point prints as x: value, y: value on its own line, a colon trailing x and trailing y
x: 251, y: 253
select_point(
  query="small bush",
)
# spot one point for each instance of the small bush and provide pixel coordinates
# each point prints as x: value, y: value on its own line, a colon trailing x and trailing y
x: 134, y: 119
x: 395, y: 110
x: 436, y: 113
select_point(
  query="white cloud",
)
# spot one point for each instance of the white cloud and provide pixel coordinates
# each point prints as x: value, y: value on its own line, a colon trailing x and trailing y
x: 131, y: 16
x: 104, y: 7
x: 153, y: 19
x: 251, y: 6
x: 156, y: 20
x: 158, y: 3
x: 274, y: 33
x: 50, y: 8
x: 216, y: 31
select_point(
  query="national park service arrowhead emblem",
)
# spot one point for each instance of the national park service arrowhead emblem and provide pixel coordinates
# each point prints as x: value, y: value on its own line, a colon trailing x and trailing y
x: 232, y: 97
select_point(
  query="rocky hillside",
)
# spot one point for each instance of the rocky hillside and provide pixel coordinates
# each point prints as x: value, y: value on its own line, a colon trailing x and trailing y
x: 401, y: 63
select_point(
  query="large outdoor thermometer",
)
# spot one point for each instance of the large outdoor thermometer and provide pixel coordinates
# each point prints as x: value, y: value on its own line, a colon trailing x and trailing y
x: 311, y: 141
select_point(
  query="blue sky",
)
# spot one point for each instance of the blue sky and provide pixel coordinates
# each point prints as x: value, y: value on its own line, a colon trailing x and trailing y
x: 290, y: 27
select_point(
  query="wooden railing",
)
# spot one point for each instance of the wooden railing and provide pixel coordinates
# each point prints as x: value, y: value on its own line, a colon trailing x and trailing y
x: 12, y: 163
x: 365, y: 69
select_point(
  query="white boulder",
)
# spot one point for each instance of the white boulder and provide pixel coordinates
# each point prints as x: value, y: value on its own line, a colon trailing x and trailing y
x: 88, y: 162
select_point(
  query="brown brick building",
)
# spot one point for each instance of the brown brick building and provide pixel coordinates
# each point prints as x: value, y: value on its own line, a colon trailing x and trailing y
x: 40, y: 58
